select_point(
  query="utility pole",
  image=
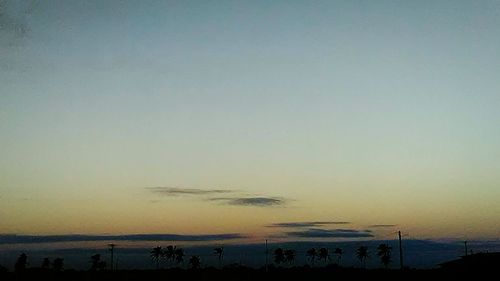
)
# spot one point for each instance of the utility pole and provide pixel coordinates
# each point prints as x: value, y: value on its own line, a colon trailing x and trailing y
x: 266, y: 255
x: 112, y: 250
x: 465, y: 246
x: 400, y: 251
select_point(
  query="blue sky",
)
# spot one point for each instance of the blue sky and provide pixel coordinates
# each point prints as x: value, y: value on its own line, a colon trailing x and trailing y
x: 372, y: 112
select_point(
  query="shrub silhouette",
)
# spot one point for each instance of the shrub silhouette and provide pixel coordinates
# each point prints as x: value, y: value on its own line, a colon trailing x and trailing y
x: 21, y: 263
x: 97, y: 263
x: 58, y: 264
x: 46, y: 263
x: 195, y: 262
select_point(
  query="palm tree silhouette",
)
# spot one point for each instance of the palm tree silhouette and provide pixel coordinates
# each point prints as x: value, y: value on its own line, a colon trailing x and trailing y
x: 179, y: 255
x: 289, y: 256
x: 58, y: 264
x: 46, y: 263
x: 194, y: 261
x: 323, y: 254
x: 219, y: 252
x: 156, y: 254
x: 384, y: 252
x: 169, y: 254
x: 312, y: 254
x: 21, y: 263
x: 338, y: 252
x: 279, y: 256
x: 362, y: 254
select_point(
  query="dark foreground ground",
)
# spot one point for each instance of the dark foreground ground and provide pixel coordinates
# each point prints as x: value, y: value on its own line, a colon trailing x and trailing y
x: 243, y: 273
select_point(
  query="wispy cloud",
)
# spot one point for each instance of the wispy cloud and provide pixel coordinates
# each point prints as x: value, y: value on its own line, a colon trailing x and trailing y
x: 175, y: 191
x: 329, y: 233
x: 211, y: 195
x: 252, y: 201
x: 18, y: 239
x: 306, y: 224
x: 381, y: 225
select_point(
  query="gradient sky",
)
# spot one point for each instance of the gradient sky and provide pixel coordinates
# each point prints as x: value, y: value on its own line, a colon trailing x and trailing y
x: 125, y: 117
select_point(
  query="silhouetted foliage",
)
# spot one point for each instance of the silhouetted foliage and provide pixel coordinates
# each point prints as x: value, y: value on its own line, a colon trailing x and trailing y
x: 339, y: 252
x: 46, y: 263
x: 323, y: 254
x: 289, y: 256
x: 384, y: 252
x: 219, y: 252
x: 58, y: 264
x: 21, y: 263
x: 362, y: 254
x: 96, y: 263
x: 279, y: 256
x: 3, y: 269
x: 312, y: 254
x: 156, y: 254
x: 179, y: 255
x: 195, y: 262
x: 169, y: 254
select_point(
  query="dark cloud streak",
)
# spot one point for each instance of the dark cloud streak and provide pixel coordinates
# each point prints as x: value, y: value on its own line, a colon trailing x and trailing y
x: 306, y: 224
x: 252, y: 201
x: 329, y: 233
x: 175, y: 191
x: 382, y: 225
x: 18, y: 239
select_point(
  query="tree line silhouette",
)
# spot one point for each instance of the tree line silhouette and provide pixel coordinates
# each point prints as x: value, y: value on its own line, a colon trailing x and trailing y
x: 175, y: 256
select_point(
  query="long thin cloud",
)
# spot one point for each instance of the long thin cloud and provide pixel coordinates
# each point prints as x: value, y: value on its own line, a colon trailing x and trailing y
x: 18, y: 239
x: 306, y: 224
x: 381, y: 225
x: 252, y: 201
x: 175, y: 191
x: 327, y: 233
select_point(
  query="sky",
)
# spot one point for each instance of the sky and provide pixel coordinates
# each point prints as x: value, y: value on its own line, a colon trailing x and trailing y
x: 285, y: 120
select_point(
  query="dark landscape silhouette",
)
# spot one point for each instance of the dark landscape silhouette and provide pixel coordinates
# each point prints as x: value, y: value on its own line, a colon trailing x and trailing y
x: 281, y: 261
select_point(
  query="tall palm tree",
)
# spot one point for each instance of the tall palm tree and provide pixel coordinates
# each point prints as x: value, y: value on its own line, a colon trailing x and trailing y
x: 289, y: 256
x: 279, y: 255
x: 156, y: 254
x: 362, y: 254
x: 338, y: 252
x: 179, y: 255
x: 169, y: 254
x: 219, y: 252
x: 195, y: 262
x: 312, y: 254
x: 384, y: 252
x: 323, y: 254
